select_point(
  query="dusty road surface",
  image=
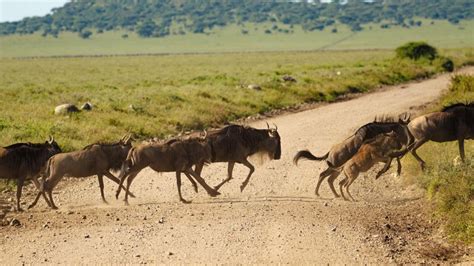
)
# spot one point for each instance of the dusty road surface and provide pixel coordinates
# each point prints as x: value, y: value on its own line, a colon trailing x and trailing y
x: 277, y: 219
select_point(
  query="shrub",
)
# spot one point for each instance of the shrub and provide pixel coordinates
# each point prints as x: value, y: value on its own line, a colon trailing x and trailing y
x: 85, y: 34
x: 417, y: 50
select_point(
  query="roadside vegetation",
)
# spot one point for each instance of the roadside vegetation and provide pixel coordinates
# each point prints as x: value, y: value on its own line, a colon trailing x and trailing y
x: 449, y: 183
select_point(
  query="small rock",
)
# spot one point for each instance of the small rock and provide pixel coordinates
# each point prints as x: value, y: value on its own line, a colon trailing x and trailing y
x: 70, y: 212
x: 65, y: 109
x: 87, y: 106
x: 144, y: 218
x: 15, y: 222
x: 170, y: 253
x: 87, y: 236
x: 137, y: 256
x: 326, y: 204
x: 254, y: 87
x: 334, y: 229
x: 388, y: 226
x: 161, y: 220
x: 288, y: 78
x: 84, y: 217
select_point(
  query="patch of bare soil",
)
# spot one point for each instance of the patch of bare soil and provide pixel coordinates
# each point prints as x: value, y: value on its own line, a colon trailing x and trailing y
x: 277, y: 219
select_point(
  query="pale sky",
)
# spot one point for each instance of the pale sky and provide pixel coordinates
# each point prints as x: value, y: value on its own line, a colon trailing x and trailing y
x: 14, y: 10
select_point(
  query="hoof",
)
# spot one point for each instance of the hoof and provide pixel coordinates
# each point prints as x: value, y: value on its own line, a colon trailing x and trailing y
x: 54, y: 208
x: 214, y: 193
x: 19, y: 210
x: 185, y: 201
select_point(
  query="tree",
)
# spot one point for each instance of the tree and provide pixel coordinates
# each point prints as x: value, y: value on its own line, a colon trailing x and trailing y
x: 147, y: 28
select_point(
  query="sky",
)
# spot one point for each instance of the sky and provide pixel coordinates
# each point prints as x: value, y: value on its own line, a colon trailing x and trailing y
x: 14, y: 10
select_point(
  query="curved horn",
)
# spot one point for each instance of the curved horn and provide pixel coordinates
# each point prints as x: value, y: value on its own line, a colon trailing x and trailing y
x: 276, y: 128
x: 268, y: 126
x: 205, y: 134
x: 51, y: 139
x: 127, y: 138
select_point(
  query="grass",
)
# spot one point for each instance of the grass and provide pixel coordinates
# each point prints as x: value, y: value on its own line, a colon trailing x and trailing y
x: 179, y: 92
x: 450, y: 185
x: 230, y: 39
x: 160, y: 95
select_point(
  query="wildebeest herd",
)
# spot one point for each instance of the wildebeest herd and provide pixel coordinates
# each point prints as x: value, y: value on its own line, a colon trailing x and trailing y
x: 380, y: 141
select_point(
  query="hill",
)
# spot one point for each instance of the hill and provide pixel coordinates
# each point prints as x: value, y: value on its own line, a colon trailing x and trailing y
x: 159, y: 18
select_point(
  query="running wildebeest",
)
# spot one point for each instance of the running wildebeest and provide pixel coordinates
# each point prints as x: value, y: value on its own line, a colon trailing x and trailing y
x: 95, y: 159
x: 454, y: 122
x: 235, y: 143
x: 25, y: 161
x: 342, y: 152
x: 378, y: 149
x: 176, y: 155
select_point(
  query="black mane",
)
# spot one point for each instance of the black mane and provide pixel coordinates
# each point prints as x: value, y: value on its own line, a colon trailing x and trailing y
x: 101, y: 144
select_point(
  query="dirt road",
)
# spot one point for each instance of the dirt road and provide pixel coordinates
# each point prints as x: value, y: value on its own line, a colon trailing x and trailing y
x: 277, y: 219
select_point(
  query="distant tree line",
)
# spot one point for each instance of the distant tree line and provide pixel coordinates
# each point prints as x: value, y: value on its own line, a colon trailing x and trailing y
x: 158, y: 18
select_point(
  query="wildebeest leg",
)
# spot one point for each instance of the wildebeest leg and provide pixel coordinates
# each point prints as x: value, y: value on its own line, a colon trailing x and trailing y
x: 178, y: 182
x: 348, y: 183
x: 323, y: 176
x: 461, y: 149
x: 230, y: 169
x: 399, y: 166
x: 413, y: 151
x: 384, y: 169
x: 331, y: 179
x: 40, y: 192
x: 341, y: 184
x: 101, y: 185
x: 50, y: 194
x: 203, y: 183
x: 198, y: 169
x: 116, y: 180
x: 192, y: 182
x: 246, y: 181
x: 19, y: 187
x: 129, y: 182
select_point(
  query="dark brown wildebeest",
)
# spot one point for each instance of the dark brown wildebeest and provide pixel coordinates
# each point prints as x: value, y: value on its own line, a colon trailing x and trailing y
x: 454, y: 122
x: 235, y: 143
x: 342, y: 152
x: 378, y: 149
x: 95, y: 159
x: 176, y: 155
x: 24, y: 161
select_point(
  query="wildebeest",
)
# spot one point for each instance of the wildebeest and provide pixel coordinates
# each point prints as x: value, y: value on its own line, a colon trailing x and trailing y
x: 235, y: 143
x: 176, y: 155
x: 454, y: 122
x: 378, y: 149
x: 95, y: 159
x: 24, y: 161
x: 342, y: 152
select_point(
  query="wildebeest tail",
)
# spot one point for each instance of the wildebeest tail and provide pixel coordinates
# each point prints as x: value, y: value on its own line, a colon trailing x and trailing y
x: 308, y: 155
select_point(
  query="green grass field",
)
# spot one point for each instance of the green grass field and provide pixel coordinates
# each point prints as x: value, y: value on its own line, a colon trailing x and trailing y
x: 180, y: 92
x: 442, y: 34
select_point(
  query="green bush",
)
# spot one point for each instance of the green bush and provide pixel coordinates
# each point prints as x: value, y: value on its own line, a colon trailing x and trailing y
x: 417, y: 50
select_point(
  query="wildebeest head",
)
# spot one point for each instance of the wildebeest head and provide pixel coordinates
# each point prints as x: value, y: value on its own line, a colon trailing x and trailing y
x: 273, y: 143
x: 52, y: 146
